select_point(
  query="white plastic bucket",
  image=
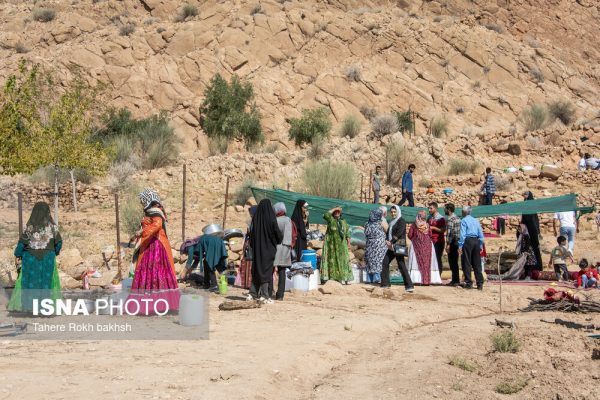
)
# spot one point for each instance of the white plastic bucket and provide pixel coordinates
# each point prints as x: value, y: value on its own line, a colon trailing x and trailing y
x: 191, y: 310
x: 314, y: 280
x: 300, y: 282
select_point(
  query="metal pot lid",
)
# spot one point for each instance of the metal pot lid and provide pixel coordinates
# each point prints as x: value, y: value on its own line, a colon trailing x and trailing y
x: 232, y: 233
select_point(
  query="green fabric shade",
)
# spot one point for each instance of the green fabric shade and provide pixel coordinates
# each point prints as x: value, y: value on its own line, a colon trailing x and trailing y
x: 357, y: 213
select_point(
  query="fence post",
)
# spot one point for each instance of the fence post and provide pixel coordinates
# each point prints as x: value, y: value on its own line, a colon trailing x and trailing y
x: 370, y: 186
x: 183, y: 203
x: 20, y: 207
x: 362, y: 178
x: 225, y: 204
x: 118, y: 249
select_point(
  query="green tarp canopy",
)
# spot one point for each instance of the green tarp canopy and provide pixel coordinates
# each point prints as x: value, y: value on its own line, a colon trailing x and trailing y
x: 357, y: 213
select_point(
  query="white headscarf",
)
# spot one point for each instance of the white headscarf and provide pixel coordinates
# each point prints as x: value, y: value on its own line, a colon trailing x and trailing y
x: 279, y: 207
x: 393, y: 222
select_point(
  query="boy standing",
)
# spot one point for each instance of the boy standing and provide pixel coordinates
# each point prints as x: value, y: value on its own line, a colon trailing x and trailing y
x: 558, y: 258
x: 376, y: 184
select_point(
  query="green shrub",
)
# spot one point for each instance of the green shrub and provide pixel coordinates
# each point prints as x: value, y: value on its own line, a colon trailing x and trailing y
x: 217, y: 145
x: 45, y: 176
x: 462, y: 363
x: 350, y: 127
x: 229, y: 111
x: 459, y: 167
x: 534, y: 117
x: 438, y: 127
x: 405, y: 121
x: 330, y: 179
x: 384, y: 124
x: 257, y: 9
x: 126, y: 29
x: 122, y: 147
x: 397, y: 159
x: 494, y: 27
x: 313, y: 123
x: 21, y: 49
x: 317, y: 148
x: 563, y: 110
x: 511, y: 387
x: 43, y: 14
x: 505, y: 342
x: 187, y: 11
x: 150, y: 139
x: 243, y: 192
x: 368, y: 112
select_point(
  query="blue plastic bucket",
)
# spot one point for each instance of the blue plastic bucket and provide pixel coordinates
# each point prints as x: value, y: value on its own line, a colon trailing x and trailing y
x: 309, y: 256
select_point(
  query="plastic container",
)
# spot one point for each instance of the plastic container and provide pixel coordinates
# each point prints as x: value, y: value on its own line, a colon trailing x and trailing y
x: 314, y: 280
x: 126, y: 284
x: 356, y: 273
x: 300, y: 282
x: 222, y: 284
x: 448, y: 191
x: 191, y: 310
x: 309, y: 256
x: 510, y: 169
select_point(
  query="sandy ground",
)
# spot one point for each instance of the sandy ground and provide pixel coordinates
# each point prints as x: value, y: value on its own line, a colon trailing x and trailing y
x: 353, y: 344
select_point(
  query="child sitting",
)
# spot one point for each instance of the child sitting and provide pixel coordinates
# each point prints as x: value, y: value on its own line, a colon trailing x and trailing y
x: 587, y: 276
x: 558, y: 259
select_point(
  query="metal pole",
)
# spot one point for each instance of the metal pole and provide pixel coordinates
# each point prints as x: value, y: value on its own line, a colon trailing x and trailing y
x: 20, y: 207
x: 118, y: 249
x: 288, y: 186
x: 225, y: 204
x: 500, y: 276
x: 183, y: 203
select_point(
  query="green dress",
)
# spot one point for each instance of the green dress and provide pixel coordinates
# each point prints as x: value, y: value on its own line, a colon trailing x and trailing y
x: 38, y: 247
x: 335, y: 261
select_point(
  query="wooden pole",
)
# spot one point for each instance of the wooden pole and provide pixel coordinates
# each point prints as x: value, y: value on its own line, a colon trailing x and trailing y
x: 288, y: 186
x: 370, y: 186
x: 362, y: 178
x: 225, y: 204
x: 118, y: 249
x: 183, y: 203
x: 20, y: 207
x: 500, y: 276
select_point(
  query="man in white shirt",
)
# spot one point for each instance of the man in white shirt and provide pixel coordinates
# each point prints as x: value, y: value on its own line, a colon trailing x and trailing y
x: 568, y: 226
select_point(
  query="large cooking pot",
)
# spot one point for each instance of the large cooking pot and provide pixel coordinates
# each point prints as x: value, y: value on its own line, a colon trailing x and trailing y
x: 233, y: 233
x: 213, y: 229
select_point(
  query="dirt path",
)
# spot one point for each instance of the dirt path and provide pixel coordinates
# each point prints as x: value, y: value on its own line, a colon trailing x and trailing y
x: 349, y: 345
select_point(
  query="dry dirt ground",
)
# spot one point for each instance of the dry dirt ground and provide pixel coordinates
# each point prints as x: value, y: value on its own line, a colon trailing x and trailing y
x: 352, y: 344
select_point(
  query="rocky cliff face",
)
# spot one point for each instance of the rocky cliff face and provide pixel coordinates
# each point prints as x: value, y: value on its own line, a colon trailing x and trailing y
x: 476, y: 63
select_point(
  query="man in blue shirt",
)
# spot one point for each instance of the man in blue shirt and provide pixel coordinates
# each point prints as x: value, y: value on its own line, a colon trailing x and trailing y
x: 470, y: 244
x: 407, y: 186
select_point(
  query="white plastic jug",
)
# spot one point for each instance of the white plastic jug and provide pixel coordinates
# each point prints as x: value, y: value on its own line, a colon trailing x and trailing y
x: 300, y: 282
x: 191, y: 310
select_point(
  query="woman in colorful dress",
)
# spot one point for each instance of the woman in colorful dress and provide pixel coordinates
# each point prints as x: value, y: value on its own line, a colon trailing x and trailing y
x: 264, y: 238
x: 37, y: 249
x: 375, y: 245
x: 154, y: 276
x: 422, y: 262
x: 300, y: 219
x: 335, y: 261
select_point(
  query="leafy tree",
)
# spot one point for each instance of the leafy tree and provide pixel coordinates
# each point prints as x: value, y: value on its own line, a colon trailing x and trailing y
x: 42, y: 127
x: 229, y: 111
x: 314, y: 124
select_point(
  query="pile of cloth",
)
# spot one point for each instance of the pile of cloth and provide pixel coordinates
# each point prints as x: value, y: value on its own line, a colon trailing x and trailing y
x: 315, y: 235
x: 552, y: 295
x: 300, y: 268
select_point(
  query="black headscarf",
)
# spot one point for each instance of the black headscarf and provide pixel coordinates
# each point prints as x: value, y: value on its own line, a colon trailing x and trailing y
x: 264, y: 238
x: 299, y: 222
x: 40, y: 235
x: 532, y: 222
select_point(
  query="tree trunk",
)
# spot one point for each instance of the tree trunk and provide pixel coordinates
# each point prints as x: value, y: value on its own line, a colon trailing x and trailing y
x: 56, y: 195
x: 72, y: 172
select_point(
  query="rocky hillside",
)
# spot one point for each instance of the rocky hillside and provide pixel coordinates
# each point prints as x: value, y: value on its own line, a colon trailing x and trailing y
x: 476, y: 63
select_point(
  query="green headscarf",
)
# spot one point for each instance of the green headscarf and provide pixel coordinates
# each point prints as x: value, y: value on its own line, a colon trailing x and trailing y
x: 40, y: 234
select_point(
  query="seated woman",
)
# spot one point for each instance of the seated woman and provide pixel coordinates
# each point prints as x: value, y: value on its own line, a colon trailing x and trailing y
x: 422, y: 262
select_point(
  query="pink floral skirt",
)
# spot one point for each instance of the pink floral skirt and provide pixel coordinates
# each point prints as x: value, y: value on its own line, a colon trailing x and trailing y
x: 154, y: 288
